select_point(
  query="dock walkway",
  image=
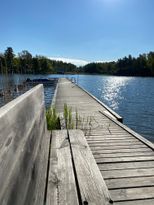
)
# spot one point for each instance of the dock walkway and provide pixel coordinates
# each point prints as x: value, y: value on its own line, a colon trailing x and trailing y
x: 124, y: 158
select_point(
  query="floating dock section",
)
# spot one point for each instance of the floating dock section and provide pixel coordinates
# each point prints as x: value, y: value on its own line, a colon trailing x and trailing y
x: 124, y: 158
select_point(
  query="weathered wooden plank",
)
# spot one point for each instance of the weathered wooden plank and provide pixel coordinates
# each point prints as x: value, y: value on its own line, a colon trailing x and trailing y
x: 39, y: 174
x: 120, y: 151
x: 52, y: 180
x: 114, y: 143
x: 61, y: 188
x: 92, y: 186
x: 132, y: 194
x: 103, y: 131
x: 98, y: 154
x: 130, y: 182
x: 107, y: 134
x: 23, y: 136
x: 124, y: 159
x: 133, y: 133
x: 126, y: 165
x: 113, y: 174
x: 117, y: 147
x: 109, y: 139
x: 136, y: 202
x: 55, y: 95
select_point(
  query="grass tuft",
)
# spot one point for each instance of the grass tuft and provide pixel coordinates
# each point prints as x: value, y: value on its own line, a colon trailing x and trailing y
x: 53, y: 120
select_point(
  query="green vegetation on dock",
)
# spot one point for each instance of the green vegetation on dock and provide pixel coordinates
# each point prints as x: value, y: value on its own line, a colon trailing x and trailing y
x: 67, y: 120
x: 68, y: 117
x: 53, y: 120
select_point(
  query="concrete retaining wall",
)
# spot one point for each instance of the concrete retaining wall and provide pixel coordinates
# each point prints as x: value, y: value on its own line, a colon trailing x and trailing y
x: 24, y: 145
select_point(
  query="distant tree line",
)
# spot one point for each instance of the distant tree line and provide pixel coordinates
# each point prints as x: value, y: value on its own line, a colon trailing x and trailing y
x: 25, y: 63
x: 143, y: 65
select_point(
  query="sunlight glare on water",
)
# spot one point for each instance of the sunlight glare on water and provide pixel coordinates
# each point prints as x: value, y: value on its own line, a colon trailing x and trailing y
x: 112, y: 90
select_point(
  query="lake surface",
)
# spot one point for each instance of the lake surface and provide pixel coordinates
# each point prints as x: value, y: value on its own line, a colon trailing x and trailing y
x: 130, y: 97
x: 10, y: 82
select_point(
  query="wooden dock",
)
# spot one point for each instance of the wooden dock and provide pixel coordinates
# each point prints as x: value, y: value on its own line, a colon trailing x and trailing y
x: 124, y: 158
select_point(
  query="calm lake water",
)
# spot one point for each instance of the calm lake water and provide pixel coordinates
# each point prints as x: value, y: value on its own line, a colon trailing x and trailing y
x: 130, y: 97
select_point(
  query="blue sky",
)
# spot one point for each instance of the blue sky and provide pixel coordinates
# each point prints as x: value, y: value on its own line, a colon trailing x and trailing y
x: 91, y: 30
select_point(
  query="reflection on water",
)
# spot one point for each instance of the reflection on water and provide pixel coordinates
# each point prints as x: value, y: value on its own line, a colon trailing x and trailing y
x: 112, y: 92
x: 12, y: 86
